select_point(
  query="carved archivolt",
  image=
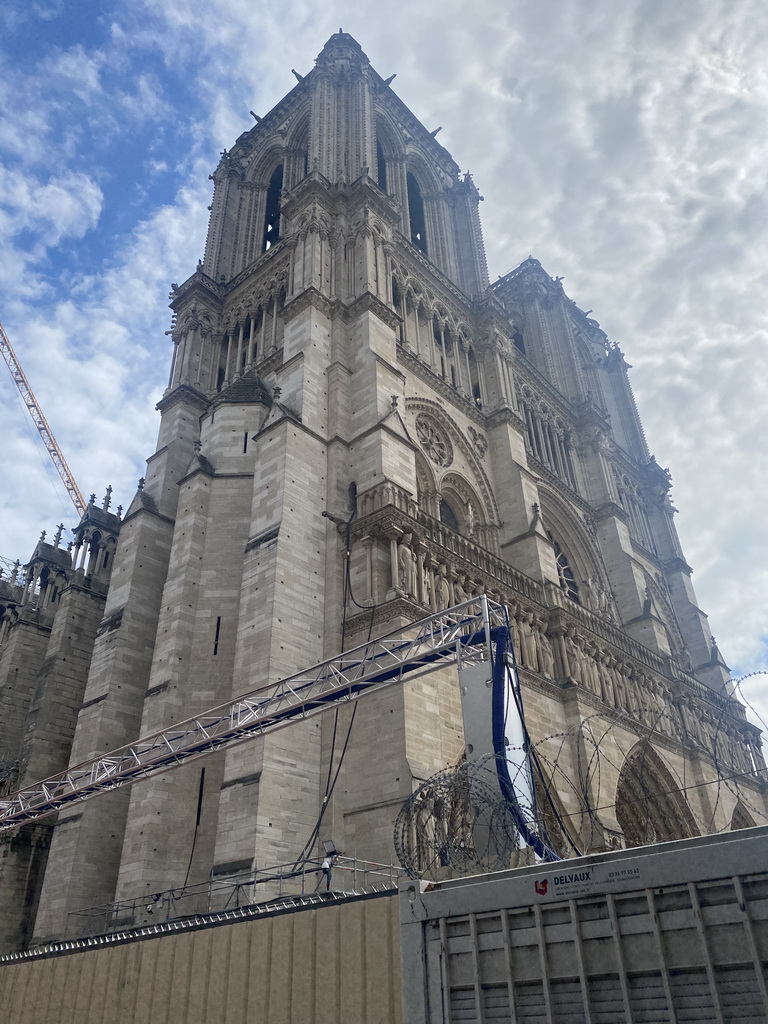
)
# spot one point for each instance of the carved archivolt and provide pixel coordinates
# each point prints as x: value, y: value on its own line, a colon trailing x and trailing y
x: 424, y: 407
x: 650, y: 806
x: 741, y: 818
x: 471, y: 507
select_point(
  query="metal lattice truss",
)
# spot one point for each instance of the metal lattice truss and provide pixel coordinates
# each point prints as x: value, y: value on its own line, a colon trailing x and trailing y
x: 462, y: 633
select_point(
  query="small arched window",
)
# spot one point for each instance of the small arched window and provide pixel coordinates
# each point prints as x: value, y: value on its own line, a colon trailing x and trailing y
x: 272, y: 211
x: 416, y: 214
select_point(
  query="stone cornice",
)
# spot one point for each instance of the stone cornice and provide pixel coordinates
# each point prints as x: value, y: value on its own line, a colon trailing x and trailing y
x: 608, y: 510
x: 677, y: 565
x: 143, y: 509
x: 365, y: 303
x: 527, y: 374
x: 382, y: 425
x: 559, y: 485
x: 505, y: 415
x: 399, y: 607
x: 198, y: 283
x: 281, y: 248
x: 340, y: 197
x: 370, y: 303
x: 310, y: 298
x: 183, y: 393
x: 272, y: 363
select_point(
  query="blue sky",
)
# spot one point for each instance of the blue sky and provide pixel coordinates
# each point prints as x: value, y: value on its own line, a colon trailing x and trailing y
x: 623, y: 145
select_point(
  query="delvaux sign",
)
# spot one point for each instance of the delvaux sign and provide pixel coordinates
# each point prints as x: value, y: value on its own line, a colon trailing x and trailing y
x: 595, y: 878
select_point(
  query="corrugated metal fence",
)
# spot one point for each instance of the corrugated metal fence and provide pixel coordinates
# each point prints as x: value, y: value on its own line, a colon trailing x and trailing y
x: 338, y: 964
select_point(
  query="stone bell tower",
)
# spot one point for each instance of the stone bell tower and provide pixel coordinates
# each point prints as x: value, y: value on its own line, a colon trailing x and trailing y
x: 357, y: 430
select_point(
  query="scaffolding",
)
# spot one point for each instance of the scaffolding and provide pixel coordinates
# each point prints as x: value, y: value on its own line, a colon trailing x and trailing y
x: 462, y: 634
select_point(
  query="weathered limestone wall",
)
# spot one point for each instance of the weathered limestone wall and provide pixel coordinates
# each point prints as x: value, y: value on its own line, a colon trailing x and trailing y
x: 87, y: 842
x: 60, y: 683
x: 22, y: 659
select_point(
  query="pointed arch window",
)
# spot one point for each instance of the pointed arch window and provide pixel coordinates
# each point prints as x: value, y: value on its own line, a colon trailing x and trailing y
x: 565, y: 574
x: 474, y: 378
x: 416, y: 214
x: 272, y: 210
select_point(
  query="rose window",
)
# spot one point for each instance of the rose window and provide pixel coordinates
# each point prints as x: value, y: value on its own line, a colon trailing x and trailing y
x: 434, y: 442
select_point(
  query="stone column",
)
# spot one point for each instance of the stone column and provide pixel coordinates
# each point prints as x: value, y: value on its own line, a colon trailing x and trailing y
x: 394, y: 590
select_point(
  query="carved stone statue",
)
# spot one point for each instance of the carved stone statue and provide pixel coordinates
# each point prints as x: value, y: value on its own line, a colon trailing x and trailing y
x: 574, y: 660
x: 406, y: 567
x: 471, y: 519
x: 546, y: 657
x: 442, y: 589
x: 528, y: 638
x: 459, y: 593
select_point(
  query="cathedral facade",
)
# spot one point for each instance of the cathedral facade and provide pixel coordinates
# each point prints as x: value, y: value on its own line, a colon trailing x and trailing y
x: 359, y: 429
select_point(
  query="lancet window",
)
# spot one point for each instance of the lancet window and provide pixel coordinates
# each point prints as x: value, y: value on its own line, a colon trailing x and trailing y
x: 272, y: 210
x: 439, y: 339
x: 474, y: 378
x: 381, y: 168
x: 547, y: 438
x: 416, y: 216
x: 518, y: 340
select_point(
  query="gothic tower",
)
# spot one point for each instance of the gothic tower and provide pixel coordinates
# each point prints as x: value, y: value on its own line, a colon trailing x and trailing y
x: 357, y: 429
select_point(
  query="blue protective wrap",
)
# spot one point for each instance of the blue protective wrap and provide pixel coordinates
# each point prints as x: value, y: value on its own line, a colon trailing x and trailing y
x: 498, y: 707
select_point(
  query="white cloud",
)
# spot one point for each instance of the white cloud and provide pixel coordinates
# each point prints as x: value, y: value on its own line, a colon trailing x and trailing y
x: 64, y: 206
x: 621, y: 144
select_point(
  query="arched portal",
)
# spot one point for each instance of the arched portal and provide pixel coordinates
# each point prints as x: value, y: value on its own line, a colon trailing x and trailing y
x: 649, y: 805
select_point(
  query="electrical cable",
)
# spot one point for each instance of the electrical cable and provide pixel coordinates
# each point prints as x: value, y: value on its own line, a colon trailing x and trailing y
x: 197, y: 824
x: 332, y: 778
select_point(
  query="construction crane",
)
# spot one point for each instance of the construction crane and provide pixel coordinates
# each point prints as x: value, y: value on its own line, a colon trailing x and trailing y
x: 466, y: 633
x: 51, y: 445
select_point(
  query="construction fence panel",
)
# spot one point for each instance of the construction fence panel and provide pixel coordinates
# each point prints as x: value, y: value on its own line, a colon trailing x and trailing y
x: 335, y: 964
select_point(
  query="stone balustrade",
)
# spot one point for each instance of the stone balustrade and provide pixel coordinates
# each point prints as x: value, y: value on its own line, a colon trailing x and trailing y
x: 410, y: 555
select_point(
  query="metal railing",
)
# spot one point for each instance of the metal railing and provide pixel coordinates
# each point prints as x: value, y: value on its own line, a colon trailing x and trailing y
x: 350, y: 875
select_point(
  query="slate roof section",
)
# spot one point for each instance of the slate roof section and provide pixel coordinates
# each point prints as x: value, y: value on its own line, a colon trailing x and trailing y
x: 245, y: 390
x: 54, y: 556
